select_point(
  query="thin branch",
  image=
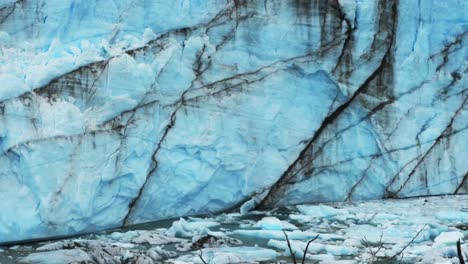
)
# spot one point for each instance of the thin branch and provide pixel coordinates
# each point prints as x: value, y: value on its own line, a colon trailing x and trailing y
x: 368, y: 245
x: 459, y: 252
x: 401, y: 258
x: 379, y: 248
x: 409, y: 243
x: 201, y: 257
x: 307, y: 247
x: 290, y: 249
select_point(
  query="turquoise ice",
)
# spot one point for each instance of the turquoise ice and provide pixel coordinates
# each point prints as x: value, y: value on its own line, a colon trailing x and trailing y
x: 121, y: 112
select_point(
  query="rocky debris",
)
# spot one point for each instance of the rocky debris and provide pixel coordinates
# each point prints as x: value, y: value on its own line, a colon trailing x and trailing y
x: 208, y: 241
x: 97, y: 252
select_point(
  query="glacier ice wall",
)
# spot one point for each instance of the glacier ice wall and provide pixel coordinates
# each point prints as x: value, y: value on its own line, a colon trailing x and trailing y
x: 121, y: 112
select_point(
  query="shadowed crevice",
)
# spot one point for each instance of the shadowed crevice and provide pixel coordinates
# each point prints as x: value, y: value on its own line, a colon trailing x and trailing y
x: 463, y: 184
x: 421, y: 160
x: 307, y: 154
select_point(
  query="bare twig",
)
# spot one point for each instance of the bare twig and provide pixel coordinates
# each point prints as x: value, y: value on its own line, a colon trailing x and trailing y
x: 401, y: 258
x: 307, y: 247
x: 201, y: 257
x: 459, y: 252
x: 379, y: 248
x: 369, y: 246
x: 290, y: 249
x: 409, y: 243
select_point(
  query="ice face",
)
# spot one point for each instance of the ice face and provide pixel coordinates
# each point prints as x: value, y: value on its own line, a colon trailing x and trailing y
x: 121, y: 112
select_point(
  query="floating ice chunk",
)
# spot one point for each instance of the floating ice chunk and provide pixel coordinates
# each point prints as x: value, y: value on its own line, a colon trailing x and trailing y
x: 371, y: 233
x: 340, y: 250
x: 453, y: 216
x: 276, y: 234
x: 155, y: 238
x: 109, y: 253
x: 448, y: 238
x: 273, y: 223
x: 123, y: 245
x: 391, y: 233
x: 302, y: 218
x: 322, y: 257
x: 385, y: 216
x: 352, y: 242
x: 183, y: 228
x: 321, y: 210
x: 226, y: 255
x: 99, y: 251
x: 418, y: 249
x: 157, y: 253
x: 126, y: 236
x: 443, y: 261
x: 298, y: 248
x: 279, y: 235
x: 53, y: 246
x: 339, y: 262
x: 68, y: 244
x: 268, y: 223
x: 58, y: 257
x: 439, y: 256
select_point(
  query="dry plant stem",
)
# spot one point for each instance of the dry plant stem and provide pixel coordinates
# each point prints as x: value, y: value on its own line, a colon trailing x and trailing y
x: 290, y: 249
x: 380, y: 244
x: 368, y: 245
x: 401, y: 258
x: 307, y: 247
x: 374, y: 254
x: 459, y: 252
x: 201, y: 257
x: 409, y: 243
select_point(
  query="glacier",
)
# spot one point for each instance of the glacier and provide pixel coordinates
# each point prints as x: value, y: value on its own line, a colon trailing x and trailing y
x: 114, y: 113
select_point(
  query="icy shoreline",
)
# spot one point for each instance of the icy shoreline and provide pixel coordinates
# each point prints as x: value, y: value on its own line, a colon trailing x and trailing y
x: 359, y: 232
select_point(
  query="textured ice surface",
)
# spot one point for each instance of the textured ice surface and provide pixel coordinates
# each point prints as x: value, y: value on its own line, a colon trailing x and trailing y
x: 298, y: 247
x: 182, y: 228
x: 449, y: 238
x: 273, y: 223
x: 381, y: 236
x: 58, y: 257
x: 120, y: 112
x: 226, y: 255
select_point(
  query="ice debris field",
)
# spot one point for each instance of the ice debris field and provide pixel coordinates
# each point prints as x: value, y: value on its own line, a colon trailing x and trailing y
x: 208, y: 131
x: 114, y: 113
x: 419, y: 230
